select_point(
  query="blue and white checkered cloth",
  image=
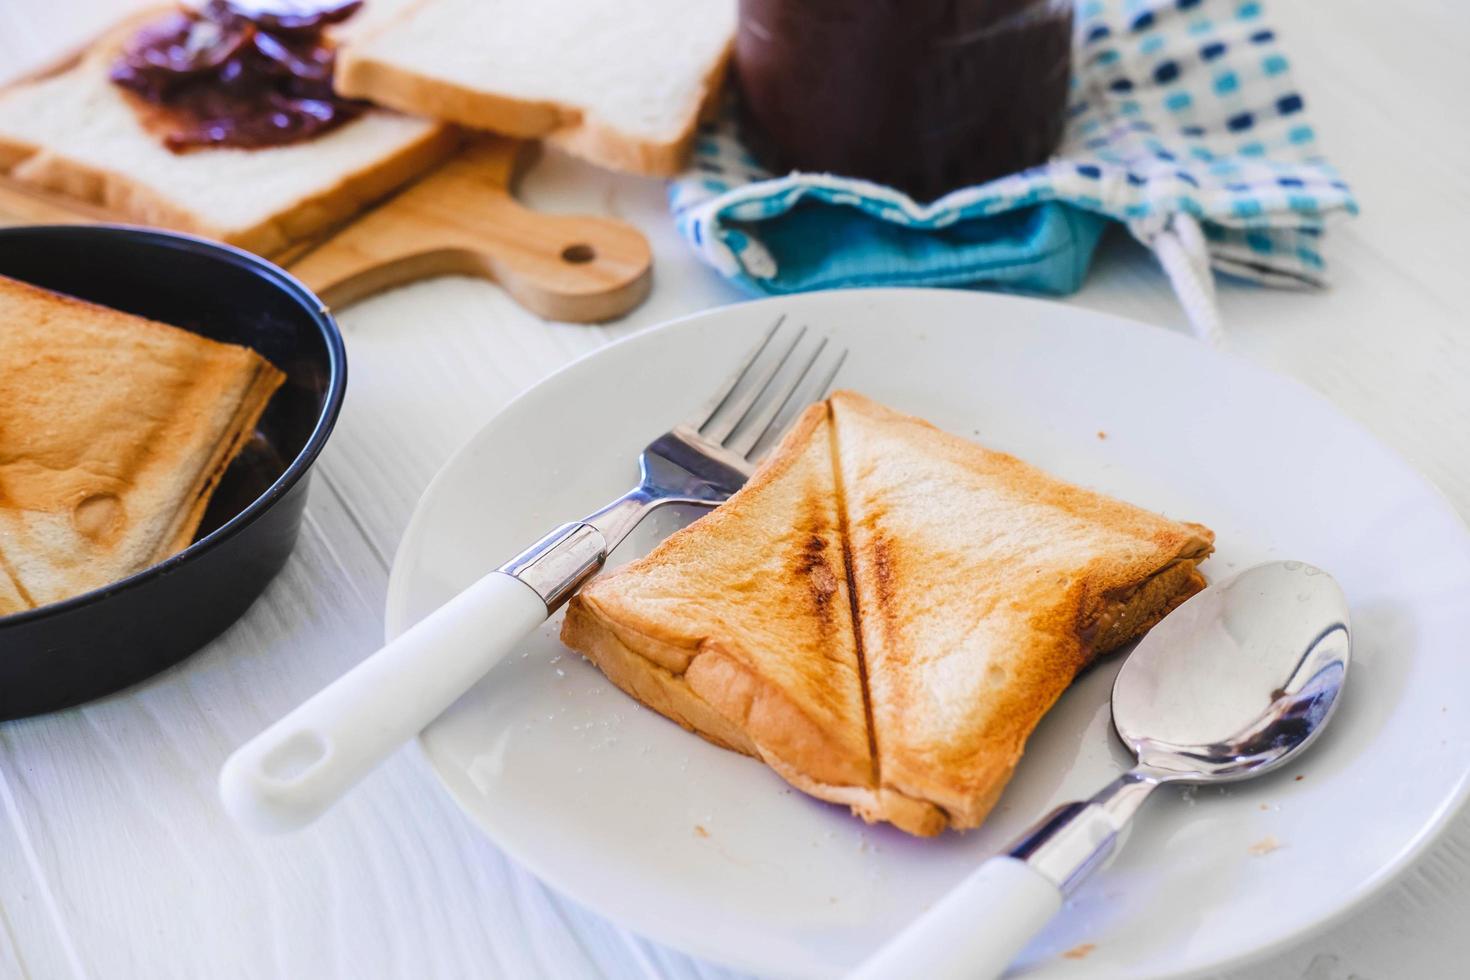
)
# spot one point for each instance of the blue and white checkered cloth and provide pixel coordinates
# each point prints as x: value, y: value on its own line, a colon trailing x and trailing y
x: 1183, y: 123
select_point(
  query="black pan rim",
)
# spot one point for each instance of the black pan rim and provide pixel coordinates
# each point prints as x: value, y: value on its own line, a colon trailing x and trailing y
x: 298, y: 468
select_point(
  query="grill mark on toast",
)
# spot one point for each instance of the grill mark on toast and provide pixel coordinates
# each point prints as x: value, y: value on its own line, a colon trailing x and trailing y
x: 844, y: 537
x: 882, y: 559
x: 811, y: 565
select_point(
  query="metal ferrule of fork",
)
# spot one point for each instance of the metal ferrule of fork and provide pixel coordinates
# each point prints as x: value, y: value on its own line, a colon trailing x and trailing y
x: 558, y: 564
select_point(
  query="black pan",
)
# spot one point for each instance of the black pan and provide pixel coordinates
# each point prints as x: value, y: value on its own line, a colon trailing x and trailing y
x: 82, y: 648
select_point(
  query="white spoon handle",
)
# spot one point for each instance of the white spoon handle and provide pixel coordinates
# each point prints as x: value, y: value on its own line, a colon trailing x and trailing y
x: 975, y: 931
x: 287, y: 775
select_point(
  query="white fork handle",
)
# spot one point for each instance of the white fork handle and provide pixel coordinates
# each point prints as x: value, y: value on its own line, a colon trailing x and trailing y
x: 290, y: 773
x: 975, y: 931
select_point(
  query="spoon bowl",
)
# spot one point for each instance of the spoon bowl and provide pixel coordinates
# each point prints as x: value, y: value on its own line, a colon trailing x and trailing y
x: 1238, y: 678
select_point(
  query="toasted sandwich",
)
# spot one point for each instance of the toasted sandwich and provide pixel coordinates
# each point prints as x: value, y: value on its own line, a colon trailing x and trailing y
x: 114, y: 432
x: 885, y: 611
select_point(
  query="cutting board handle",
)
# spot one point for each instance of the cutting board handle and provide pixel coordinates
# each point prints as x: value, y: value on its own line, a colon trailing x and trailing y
x: 462, y: 219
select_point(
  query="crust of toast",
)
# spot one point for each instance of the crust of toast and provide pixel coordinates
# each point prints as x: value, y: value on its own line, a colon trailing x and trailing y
x: 240, y: 430
x: 360, y: 75
x: 124, y: 197
x: 121, y: 195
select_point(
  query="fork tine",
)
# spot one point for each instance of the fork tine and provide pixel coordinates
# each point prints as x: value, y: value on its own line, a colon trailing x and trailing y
x: 707, y: 412
x: 772, y: 407
x: 783, y: 418
x: 826, y: 388
x: 746, y: 403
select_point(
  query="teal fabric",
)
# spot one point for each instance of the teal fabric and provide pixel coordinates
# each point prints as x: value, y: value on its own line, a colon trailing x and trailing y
x: 1041, y: 249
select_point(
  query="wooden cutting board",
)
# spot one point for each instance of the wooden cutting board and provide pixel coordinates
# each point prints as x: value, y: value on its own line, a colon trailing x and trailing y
x: 459, y: 218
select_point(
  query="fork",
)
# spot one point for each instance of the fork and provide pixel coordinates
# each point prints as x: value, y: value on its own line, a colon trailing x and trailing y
x: 289, y: 774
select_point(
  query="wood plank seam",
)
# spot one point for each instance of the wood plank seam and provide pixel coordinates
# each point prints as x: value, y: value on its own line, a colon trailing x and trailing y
x: 43, y: 887
x: 355, y: 519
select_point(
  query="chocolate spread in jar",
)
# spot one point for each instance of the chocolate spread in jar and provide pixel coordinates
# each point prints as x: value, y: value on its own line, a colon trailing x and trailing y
x: 923, y: 95
x: 242, y: 73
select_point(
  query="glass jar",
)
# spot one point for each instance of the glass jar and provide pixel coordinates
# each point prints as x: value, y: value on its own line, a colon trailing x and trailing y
x: 923, y: 95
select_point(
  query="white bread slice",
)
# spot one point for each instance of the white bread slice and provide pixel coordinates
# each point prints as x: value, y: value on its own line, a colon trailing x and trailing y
x: 620, y: 84
x: 114, y: 432
x: 72, y: 132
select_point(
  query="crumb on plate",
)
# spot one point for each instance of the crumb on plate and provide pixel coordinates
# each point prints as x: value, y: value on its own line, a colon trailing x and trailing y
x: 1079, y: 952
x: 1264, y: 846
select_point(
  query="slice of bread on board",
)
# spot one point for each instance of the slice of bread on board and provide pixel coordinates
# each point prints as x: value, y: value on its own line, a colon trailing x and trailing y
x: 73, y: 132
x: 620, y: 84
x: 114, y: 432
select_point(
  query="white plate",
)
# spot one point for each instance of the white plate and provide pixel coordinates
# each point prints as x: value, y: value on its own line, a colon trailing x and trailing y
x: 710, y: 852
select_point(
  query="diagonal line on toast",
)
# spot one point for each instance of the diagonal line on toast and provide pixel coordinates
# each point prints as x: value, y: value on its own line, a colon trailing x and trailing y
x: 845, y: 543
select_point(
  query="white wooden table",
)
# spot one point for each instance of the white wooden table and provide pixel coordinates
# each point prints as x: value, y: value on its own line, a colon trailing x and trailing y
x: 115, y: 858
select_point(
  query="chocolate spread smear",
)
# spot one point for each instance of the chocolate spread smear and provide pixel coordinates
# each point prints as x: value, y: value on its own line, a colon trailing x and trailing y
x: 241, y: 73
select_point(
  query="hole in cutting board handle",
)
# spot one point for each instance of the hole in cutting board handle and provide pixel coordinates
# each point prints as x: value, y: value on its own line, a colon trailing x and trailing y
x: 578, y: 253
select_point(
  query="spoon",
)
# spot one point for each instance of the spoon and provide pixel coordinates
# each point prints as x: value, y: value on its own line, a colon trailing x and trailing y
x: 1230, y: 685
